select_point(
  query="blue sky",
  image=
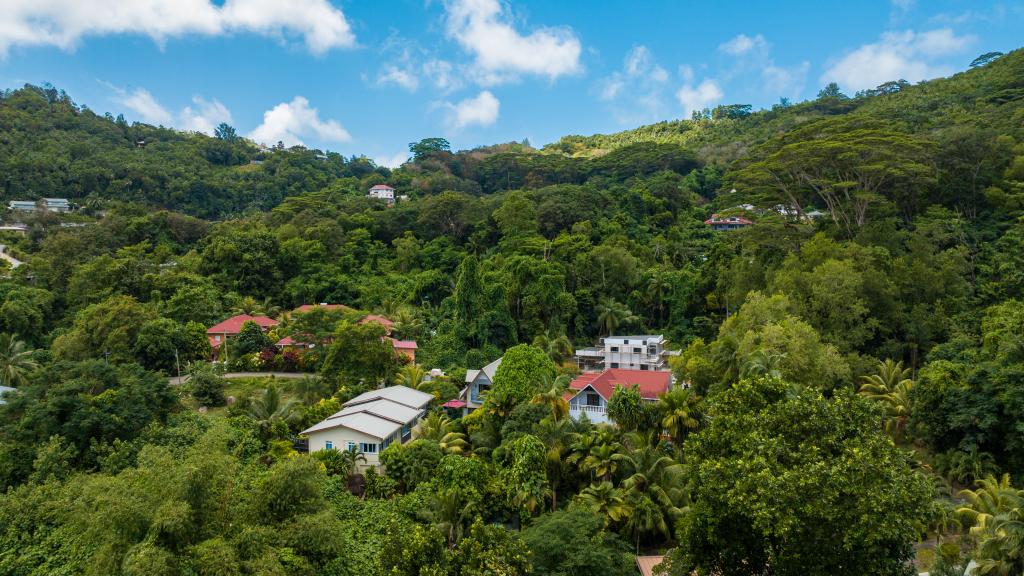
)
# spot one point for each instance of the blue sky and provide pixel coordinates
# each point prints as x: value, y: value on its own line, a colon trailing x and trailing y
x: 370, y: 77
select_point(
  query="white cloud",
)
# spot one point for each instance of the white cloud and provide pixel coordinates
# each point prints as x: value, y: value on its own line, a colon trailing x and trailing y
x: 442, y: 75
x: 204, y: 117
x: 744, y: 44
x: 393, y: 161
x: 637, y: 91
x: 481, y: 111
x: 62, y: 23
x: 501, y: 53
x: 784, y: 81
x: 290, y: 122
x: 697, y: 98
x: 145, y: 105
x: 906, y: 55
x: 402, y: 77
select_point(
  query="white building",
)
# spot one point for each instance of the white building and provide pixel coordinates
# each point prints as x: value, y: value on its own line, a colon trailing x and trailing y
x: 22, y: 205
x: 643, y: 352
x: 382, y: 192
x: 56, y: 205
x: 370, y: 422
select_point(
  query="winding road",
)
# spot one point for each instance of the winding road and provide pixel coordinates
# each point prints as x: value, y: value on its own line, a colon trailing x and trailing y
x: 176, y: 380
x: 14, y: 262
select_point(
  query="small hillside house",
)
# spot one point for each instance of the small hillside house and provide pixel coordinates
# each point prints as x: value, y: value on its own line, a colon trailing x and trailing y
x: 726, y: 223
x: 478, y: 382
x: 382, y: 192
x: 56, y: 205
x: 637, y: 352
x: 219, y: 334
x: 589, y: 394
x: 22, y: 205
x: 371, y: 422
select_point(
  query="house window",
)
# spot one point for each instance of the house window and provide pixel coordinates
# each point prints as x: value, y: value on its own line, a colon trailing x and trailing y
x: 367, y: 448
x: 625, y: 341
x: 329, y: 445
x: 615, y: 364
x: 615, y: 348
x: 636, y: 350
x: 643, y: 367
x: 350, y: 446
x: 593, y: 399
x: 217, y: 337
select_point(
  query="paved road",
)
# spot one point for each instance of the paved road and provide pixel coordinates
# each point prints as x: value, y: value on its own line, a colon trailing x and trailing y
x: 176, y: 380
x: 14, y: 262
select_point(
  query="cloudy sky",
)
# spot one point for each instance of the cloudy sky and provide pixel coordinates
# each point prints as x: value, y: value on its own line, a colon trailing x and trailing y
x: 368, y: 77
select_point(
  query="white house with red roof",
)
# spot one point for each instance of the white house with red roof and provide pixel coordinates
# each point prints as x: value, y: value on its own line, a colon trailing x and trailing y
x: 219, y: 334
x: 382, y: 192
x: 589, y: 393
x: 725, y: 223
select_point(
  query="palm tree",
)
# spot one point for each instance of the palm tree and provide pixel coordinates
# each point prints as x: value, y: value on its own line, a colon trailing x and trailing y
x: 450, y: 512
x: 654, y: 480
x: 611, y: 314
x: 891, y: 385
x: 601, y: 461
x: 411, y: 375
x: 680, y: 414
x: 251, y: 307
x: 270, y: 408
x: 439, y: 428
x: 996, y: 509
x: 762, y: 363
x: 604, y: 499
x: 645, y: 516
x: 311, y: 389
x: 15, y: 361
x: 558, y: 348
x: 351, y: 459
x: 554, y: 396
x: 658, y: 286
x: 557, y: 436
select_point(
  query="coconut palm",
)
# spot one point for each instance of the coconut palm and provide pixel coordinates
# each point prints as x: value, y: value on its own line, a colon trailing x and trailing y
x: 645, y: 516
x: 611, y: 314
x: 557, y: 347
x: 270, y: 407
x: 604, y: 499
x: 15, y: 361
x: 311, y: 389
x: 438, y: 427
x: 350, y: 460
x: 652, y: 478
x: 411, y: 375
x: 557, y: 436
x: 996, y: 510
x: 450, y: 512
x: 554, y: 396
x: 680, y: 413
x: 891, y: 385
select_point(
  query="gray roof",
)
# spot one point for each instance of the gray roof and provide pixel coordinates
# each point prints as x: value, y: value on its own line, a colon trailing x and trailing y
x: 488, y: 371
x: 378, y: 413
x: 399, y: 394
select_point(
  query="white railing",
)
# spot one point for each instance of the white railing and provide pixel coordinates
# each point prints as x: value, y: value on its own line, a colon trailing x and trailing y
x: 585, y: 408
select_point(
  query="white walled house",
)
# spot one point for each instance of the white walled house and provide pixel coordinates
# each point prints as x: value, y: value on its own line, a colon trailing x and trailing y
x: 382, y: 192
x: 642, y: 352
x: 589, y: 393
x: 371, y: 422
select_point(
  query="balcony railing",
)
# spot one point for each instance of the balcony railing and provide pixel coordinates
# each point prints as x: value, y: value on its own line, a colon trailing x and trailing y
x: 585, y: 408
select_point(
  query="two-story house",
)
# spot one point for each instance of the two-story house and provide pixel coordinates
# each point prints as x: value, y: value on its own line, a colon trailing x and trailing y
x: 643, y: 352
x: 589, y: 393
x: 382, y: 192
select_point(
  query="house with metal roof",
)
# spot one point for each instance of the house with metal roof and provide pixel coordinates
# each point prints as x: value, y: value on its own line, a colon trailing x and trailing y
x: 478, y: 382
x: 371, y: 422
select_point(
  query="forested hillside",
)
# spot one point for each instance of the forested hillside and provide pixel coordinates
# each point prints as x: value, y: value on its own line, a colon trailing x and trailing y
x: 854, y: 358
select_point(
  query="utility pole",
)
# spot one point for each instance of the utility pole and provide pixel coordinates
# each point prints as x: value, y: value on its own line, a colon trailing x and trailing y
x: 176, y: 362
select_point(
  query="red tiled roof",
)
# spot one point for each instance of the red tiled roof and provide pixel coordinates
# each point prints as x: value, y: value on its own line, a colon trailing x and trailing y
x: 310, y: 307
x: 404, y: 344
x: 379, y: 320
x: 454, y: 404
x: 652, y: 384
x: 234, y: 324
x: 381, y: 187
